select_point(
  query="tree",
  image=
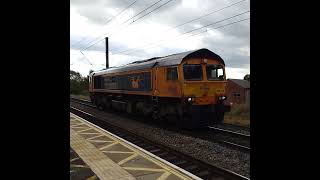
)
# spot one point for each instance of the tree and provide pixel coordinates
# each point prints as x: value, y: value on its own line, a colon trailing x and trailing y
x: 78, y: 84
x: 76, y: 76
x: 247, y: 77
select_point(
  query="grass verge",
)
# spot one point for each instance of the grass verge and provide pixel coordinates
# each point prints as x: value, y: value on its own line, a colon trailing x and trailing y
x: 239, y: 115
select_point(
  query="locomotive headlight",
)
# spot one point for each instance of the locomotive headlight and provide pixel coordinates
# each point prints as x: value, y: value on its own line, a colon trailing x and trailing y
x: 191, y: 99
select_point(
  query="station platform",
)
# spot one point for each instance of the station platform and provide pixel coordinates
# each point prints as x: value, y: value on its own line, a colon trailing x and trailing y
x: 98, y: 154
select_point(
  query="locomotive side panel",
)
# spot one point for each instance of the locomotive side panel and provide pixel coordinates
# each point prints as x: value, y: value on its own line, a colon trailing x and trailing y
x: 135, y: 82
x: 167, y: 80
x: 129, y: 82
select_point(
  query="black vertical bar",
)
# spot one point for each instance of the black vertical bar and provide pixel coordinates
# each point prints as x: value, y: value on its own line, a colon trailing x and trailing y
x: 107, y: 53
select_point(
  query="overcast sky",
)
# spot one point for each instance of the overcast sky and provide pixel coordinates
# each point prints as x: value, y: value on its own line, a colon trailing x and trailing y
x: 154, y: 34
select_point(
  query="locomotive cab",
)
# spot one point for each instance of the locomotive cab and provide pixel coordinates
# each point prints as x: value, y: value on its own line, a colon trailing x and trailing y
x: 204, y: 84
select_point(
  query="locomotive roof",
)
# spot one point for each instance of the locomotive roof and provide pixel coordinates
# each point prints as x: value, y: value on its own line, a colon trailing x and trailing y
x: 169, y: 60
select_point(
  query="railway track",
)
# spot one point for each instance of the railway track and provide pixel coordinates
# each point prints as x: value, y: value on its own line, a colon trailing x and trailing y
x: 235, y: 127
x: 233, y: 133
x: 184, y: 161
x: 236, y: 136
x: 226, y: 137
x: 83, y: 101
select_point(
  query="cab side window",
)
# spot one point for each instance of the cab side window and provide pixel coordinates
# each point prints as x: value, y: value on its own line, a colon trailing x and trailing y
x: 172, y: 73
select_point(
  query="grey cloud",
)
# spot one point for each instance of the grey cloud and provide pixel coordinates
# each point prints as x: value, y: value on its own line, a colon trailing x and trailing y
x: 97, y: 10
x: 234, y: 36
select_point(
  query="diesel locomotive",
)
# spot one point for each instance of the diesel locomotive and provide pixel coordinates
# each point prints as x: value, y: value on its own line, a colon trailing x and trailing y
x: 189, y: 87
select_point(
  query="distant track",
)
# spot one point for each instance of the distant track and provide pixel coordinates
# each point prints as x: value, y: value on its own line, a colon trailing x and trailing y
x: 229, y: 132
x: 231, y: 139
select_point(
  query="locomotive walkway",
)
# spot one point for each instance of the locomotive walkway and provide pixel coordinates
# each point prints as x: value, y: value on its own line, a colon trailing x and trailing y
x: 98, y: 154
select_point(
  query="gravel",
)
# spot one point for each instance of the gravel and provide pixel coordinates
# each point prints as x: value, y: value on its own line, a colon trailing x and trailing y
x: 207, y: 151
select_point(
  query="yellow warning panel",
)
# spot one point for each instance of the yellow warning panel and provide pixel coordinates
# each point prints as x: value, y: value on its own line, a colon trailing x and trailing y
x: 122, y: 158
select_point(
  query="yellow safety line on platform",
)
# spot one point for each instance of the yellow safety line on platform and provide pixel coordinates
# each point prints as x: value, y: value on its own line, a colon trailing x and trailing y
x: 166, y: 168
x: 98, y: 162
x: 164, y: 176
x: 99, y: 141
x: 109, y: 145
x: 100, y: 135
x: 81, y: 127
x: 128, y: 159
x: 87, y: 133
x: 84, y: 130
x: 144, y: 169
x: 75, y: 125
x: 120, y: 152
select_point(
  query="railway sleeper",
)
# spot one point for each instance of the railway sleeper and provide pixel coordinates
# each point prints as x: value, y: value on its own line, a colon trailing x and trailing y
x: 171, y: 158
x: 162, y: 154
x: 148, y: 147
x: 191, y: 167
x: 180, y: 162
x: 155, y: 150
x: 203, y: 174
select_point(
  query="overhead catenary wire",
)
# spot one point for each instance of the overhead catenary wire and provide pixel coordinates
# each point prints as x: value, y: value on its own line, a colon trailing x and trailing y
x: 141, y: 17
x: 121, y: 24
x: 78, y: 60
x: 129, y: 50
x: 142, y: 11
x: 150, y: 12
x: 179, y: 24
x: 205, y: 15
x: 191, y: 35
x: 109, y: 20
x: 104, y: 34
x: 86, y: 58
x: 195, y: 19
x: 228, y: 24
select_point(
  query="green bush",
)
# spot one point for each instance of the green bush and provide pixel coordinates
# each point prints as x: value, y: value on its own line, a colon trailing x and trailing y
x: 78, y: 84
x: 240, y: 109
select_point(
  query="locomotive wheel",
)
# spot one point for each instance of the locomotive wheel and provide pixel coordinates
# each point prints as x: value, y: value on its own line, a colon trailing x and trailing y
x: 180, y: 122
x: 108, y: 104
x: 185, y: 122
x: 155, y: 116
x: 101, y: 107
x: 219, y: 117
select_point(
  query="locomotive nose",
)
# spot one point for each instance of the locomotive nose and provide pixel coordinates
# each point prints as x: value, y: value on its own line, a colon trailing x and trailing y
x: 205, y: 89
